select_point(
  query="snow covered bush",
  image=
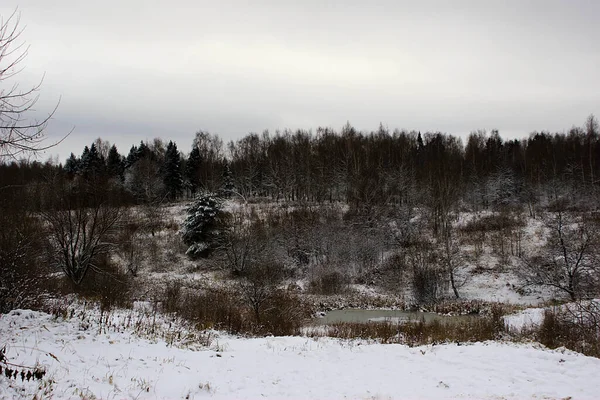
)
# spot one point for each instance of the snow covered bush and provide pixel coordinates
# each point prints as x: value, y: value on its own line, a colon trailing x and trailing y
x: 202, y: 229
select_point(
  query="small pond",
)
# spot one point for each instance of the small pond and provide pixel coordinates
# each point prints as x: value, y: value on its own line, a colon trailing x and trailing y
x: 352, y: 315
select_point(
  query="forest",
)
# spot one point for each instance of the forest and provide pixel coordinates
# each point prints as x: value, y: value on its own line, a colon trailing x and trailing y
x: 297, y: 263
x: 348, y: 204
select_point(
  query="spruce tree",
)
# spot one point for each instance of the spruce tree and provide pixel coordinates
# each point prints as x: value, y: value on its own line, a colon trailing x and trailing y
x: 84, y: 160
x: 132, y: 157
x: 172, y: 172
x: 114, y: 163
x: 202, y: 229
x: 192, y: 170
x: 72, y: 165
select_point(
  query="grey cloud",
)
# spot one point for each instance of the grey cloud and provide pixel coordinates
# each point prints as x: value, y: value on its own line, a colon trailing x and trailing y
x: 131, y: 70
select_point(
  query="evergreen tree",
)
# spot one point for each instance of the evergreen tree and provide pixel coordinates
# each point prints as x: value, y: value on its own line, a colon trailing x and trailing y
x: 97, y: 162
x: 72, y: 165
x: 84, y: 160
x: 192, y: 170
x: 228, y: 185
x: 172, y: 172
x: 114, y: 163
x: 132, y: 157
x: 143, y: 150
x: 92, y: 164
x: 201, y: 230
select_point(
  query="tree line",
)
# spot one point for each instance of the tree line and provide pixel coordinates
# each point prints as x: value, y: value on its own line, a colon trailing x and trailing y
x: 358, y: 168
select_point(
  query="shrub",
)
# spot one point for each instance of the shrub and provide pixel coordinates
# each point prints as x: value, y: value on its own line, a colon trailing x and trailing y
x: 23, y: 275
x: 561, y: 328
x: 493, y: 223
x: 282, y: 313
x: 330, y: 283
x: 421, y: 333
x: 428, y: 285
x: 215, y: 308
x: 105, y: 284
x: 171, y: 297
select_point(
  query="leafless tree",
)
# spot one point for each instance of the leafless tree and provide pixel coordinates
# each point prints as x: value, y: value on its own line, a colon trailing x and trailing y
x: 245, y: 243
x: 19, y: 132
x: 585, y: 316
x: 450, y: 255
x: 429, y: 282
x: 130, y: 245
x: 259, y: 286
x: 569, y: 260
x: 80, y: 231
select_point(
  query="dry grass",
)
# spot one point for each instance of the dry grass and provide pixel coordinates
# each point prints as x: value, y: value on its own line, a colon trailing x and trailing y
x: 558, y: 329
x: 283, y: 313
x: 420, y: 333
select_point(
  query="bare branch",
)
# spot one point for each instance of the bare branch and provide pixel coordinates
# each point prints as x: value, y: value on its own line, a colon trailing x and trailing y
x: 20, y: 133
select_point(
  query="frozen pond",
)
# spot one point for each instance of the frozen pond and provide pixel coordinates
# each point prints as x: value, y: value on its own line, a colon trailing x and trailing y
x: 350, y: 315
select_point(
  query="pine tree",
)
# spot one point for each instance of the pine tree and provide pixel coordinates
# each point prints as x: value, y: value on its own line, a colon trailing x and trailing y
x: 192, y: 171
x: 172, y: 172
x: 201, y: 230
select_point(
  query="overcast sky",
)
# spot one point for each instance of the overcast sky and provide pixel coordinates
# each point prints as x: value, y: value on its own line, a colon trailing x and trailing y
x: 133, y: 70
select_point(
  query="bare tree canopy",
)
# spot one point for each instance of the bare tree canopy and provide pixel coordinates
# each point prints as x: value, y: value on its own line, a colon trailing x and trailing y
x: 20, y: 133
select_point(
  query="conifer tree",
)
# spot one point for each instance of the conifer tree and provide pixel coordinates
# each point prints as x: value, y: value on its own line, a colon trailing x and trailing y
x: 228, y: 186
x: 172, y: 172
x: 72, y: 165
x: 132, y: 157
x: 114, y: 163
x: 192, y: 171
x: 201, y: 230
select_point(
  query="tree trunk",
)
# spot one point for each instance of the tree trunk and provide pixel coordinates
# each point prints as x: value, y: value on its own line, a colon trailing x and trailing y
x: 453, y: 283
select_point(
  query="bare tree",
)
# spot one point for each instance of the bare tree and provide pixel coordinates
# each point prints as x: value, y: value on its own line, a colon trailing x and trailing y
x: 19, y: 132
x: 592, y: 131
x: 569, y: 260
x: 246, y: 242
x: 259, y: 286
x: 450, y: 255
x: 429, y: 281
x: 81, y: 226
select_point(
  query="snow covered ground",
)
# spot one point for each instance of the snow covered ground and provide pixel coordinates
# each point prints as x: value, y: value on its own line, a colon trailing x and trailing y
x: 81, y: 362
x: 527, y: 318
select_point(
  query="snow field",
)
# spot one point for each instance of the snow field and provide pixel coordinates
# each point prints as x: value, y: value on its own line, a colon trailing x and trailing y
x: 88, y: 364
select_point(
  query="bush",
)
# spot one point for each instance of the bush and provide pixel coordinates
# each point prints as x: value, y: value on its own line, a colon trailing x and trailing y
x: 282, y: 313
x: 215, y: 308
x: 330, y: 283
x: 171, y: 297
x: 560, y: 329
x: 428, y: 285
x: 493, y: 223
x: 420, y: 333
x: 105, y: 284
x: 23, y: 273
